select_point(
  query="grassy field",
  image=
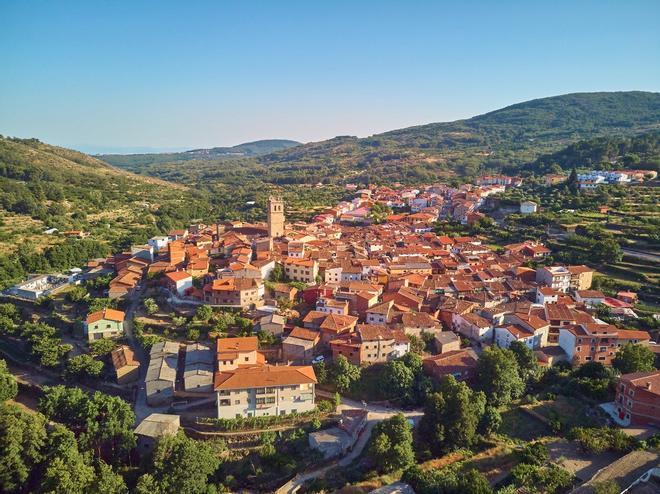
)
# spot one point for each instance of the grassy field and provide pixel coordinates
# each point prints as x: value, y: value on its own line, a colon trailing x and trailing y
x: 520, y: 425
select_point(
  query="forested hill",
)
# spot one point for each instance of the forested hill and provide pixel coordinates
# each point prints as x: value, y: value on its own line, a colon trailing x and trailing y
x: 510, y: 138
x: 43, y: 186
x: 567, y: 117
x: 639, y: 152
x: 134, y: 162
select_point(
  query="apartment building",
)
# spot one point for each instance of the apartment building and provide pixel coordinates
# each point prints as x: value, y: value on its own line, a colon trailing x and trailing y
x: 264, y: 390
x: 581, y: 277
x: 303, y: 270
x: 594, y: 342
x: 234, y: 292
x: 637, y: 399
x: 556, y: 277
x: 370, y: 344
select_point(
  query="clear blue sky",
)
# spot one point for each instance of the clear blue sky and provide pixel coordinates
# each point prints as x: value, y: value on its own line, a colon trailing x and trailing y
x: 124, y: 74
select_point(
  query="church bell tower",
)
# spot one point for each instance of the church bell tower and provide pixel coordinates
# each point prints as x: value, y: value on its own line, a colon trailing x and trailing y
x: 275, y: 217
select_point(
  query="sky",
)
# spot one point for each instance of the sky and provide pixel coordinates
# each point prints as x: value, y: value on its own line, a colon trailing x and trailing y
x: 132, y: 76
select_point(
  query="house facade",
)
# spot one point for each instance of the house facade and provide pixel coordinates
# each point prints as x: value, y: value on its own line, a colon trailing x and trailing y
x: 105, y: 323
x: 637, y: 399
x: 597, y: 342
x: 264, y: 390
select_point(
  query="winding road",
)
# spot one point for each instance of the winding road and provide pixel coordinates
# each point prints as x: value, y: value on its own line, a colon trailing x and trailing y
x: 376, y: 414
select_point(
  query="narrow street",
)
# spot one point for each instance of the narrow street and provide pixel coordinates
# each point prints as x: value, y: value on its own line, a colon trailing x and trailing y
x: 142, y: 410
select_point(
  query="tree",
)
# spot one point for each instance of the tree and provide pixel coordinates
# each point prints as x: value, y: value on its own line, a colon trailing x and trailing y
x: 498, y: 376
x: 606, y: 487
x: 150, y: 306
x: 45, y: 343
x: 491, y: 421
x: 528, y: 366
x: 77, y: 294
x: 277, y: 274
x: 344, y: 374
x: 204, y: 313
x: 22, y: 437
x: 391, y: 446
x: 68, y: 475
x: 572, y: 182
x: 9, y: 317
x: 448, y: 480
x: 397, y: 379
x: 546, y: 480
x: 107, y: 481
x: 147, y: 484
x: 321, y: 372
x: 8, y: 384
x: 100, y: 303
x: 182, y: 465
x: 417, y: 345
x: 451, y: 416
x: 103, y: 419
x: 534, y: 454
x: 102, y: 347
x: 223, y: 321
x: 633, y: 358
x: 83, y: 365
x: 473, y: 482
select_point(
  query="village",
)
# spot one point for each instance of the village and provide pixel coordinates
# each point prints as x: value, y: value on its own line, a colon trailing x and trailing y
x: 233, y: 321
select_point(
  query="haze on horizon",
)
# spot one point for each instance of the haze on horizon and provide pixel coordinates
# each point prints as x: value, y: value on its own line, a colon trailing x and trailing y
x: 161, y: 75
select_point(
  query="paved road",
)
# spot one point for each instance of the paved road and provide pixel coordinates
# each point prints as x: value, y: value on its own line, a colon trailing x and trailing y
x: 376, y: 414
x: 141, y: 409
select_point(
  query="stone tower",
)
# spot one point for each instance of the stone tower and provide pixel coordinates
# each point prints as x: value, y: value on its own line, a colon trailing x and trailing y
x: 275, y: 217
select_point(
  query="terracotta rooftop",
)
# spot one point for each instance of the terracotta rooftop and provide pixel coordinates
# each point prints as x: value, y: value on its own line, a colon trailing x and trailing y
x: 105, y: 314
x: 264, y: 376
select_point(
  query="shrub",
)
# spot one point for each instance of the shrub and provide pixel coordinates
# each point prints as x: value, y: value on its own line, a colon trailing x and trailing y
x: 596, y: 440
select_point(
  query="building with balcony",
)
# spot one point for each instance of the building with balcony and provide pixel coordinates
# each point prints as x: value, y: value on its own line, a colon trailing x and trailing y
x: 264, y: 390
x: 556, y: 277
x: 637, y: 399
x: 597, y: 342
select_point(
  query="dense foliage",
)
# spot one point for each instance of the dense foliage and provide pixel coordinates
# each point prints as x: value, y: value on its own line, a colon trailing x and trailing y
x: 451, y: 416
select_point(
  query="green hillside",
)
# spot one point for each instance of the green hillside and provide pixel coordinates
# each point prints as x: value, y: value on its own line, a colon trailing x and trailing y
x: 507, y: 138
x: 43, y: 186
x: 640, y: 151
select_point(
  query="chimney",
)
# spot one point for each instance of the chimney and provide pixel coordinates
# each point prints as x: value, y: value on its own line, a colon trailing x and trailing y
x: 648, y: 385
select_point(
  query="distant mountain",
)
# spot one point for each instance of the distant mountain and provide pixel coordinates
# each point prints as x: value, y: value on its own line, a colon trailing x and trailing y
x: 510, y: 138
x: 249, y: 149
